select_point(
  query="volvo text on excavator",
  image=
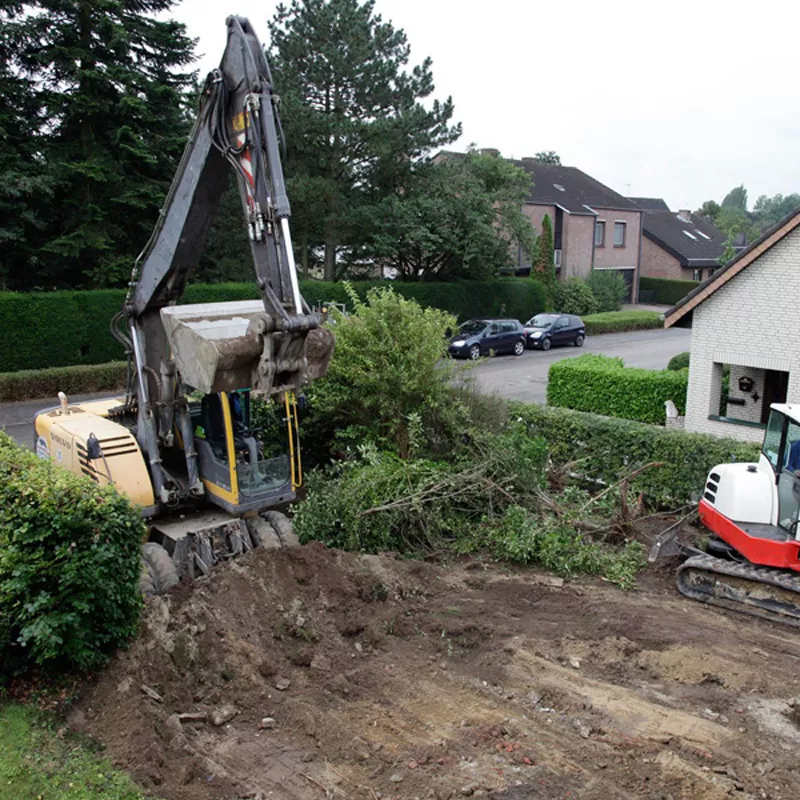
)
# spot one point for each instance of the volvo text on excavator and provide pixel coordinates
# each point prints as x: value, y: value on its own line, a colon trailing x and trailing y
x: 183, y: 437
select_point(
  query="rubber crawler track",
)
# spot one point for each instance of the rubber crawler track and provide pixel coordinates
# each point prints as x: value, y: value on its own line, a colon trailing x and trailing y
x: 758, y: 591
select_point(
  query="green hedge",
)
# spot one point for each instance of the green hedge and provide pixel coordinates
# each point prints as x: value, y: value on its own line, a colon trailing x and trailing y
x: 606, y: 448
x: 82, y: 379
x: 618, y: 321
x: 56, y: 329
x: 664, y: 291
x: 69, y: 566
x: 680, y: 361
x: 604, y: 385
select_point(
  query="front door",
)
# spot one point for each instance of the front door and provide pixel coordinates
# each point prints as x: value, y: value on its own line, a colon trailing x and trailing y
x: 776, y: 384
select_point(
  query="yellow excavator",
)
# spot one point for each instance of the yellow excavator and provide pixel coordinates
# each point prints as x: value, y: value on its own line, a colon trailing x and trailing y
x: 183, y: 443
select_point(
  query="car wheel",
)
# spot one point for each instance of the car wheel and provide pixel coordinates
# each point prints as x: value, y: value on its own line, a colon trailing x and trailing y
x: 545, y: 345
x: 474, y: 352
x: 519, y: 348
x: 579, y: 340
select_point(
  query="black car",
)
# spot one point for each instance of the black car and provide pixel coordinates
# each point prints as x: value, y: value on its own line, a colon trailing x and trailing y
x: 545, y: 330
x: 479, y: 337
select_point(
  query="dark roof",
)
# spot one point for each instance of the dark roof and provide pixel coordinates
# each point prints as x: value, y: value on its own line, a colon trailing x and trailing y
x: 694, y: 240
x: 740, y: 261
x: 570, y: 188
x: 650, y: 203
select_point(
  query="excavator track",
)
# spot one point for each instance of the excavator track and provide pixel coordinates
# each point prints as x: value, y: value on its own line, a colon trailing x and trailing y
x: 758, y: 591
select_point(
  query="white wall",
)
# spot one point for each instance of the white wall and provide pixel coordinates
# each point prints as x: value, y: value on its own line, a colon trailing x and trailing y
x: 751, y: 321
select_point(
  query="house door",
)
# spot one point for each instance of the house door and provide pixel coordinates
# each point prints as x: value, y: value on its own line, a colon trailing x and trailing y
x: 776, y: 385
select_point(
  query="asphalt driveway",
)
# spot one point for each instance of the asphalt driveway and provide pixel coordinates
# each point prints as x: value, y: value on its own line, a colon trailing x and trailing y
x: 525, y: 377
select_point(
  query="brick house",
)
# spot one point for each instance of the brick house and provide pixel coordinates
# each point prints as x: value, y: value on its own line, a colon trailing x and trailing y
x: 594, y: 227
x: 678, y: 244
x: 742, y: 320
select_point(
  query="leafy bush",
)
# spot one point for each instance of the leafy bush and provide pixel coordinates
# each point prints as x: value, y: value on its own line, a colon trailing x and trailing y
x: 555, y: 543
x: 618, y: 321
x: 35, y: 383
x: 573, y: 296
x: 386, y: 372
x: 603, y: 449
x: 382, y: 502
x: 609, y: 289
x: 55, y: 329
x: 605, y: 386
x: 69, y: 566
x: 678, y: 362
x: 664, y: 291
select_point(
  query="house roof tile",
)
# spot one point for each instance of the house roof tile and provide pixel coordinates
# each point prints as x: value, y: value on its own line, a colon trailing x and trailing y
x: 692, y: 239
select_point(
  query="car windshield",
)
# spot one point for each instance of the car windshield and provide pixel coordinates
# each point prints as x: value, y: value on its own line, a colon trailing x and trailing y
x: 541, y: 321
x: 472, y: 327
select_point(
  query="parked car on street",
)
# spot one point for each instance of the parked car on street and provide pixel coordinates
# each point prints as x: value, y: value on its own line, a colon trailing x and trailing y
x: 480, y: 337
x: 546, y: 330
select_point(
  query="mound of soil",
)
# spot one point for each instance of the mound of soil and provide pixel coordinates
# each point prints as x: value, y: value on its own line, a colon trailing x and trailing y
x: 312, y: 673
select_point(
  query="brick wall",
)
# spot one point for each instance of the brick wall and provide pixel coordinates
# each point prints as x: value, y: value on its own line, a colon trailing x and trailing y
x: 658, y: 263
x: 576, y: 256
x: 536, y: 214
x: 627, y: 256
x: 749, y: 322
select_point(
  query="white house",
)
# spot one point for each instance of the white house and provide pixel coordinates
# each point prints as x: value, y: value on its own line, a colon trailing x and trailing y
x: 743, y: 322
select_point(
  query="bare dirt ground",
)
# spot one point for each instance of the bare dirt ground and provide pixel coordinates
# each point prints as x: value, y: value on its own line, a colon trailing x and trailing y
x: 331, y: 675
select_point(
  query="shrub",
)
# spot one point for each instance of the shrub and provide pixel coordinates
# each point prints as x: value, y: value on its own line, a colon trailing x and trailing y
x: 386, y: 368
x: 609, y: 289
x: 573, y: 296
x: 603, y: 385
x: 618, y: 321
x: 664, y: 291
x: 33, y: 383
x: 678, y: 362
x: 60, y: 329
x: 603, y: 449
x: 69, y: 566
x: 381, y: 502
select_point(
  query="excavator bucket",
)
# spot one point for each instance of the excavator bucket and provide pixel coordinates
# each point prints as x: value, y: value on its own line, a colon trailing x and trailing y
x: 225, y: 346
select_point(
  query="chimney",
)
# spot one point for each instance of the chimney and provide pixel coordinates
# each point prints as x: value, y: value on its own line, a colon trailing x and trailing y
x: 489, y: 151
x: 685, y: 215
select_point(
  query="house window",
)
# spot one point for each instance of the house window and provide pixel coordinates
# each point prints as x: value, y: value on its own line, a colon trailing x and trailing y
x: 619, y: 234
x: 744, y: 395
x: 599, y: 234
x: 697, y: 275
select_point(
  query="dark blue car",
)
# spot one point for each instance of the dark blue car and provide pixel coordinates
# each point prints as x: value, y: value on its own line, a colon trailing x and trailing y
x: 480, y: 337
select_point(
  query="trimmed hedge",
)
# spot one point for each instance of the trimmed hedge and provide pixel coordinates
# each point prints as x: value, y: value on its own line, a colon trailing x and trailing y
x: 69, y: 566
x: 55, y: 329
x: 82, y: 379
x: 604, y: 385
x: 618, y: 321
x: 664, y: 291
x: 607, y: 448
x: 680, y: 361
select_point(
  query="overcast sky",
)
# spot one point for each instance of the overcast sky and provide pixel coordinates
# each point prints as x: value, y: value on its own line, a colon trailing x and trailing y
x: 680, y: 100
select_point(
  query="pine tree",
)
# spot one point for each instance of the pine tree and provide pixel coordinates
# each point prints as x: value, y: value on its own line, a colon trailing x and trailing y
x: 352, y: 113
x: 25, y: 186
x: 544, y: 268
x: 109, y: 75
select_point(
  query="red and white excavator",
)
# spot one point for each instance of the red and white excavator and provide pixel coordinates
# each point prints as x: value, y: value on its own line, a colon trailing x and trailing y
x: 752, y: 562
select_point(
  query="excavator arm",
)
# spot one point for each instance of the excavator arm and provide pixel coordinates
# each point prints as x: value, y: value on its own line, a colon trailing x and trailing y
x: 273, y: 345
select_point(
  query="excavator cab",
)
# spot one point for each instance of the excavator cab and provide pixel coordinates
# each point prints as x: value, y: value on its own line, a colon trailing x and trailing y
x: 241, y: 468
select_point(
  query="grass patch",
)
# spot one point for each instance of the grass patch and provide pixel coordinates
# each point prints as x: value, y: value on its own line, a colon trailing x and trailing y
x: 36, y: 763
x: 32, y: 384
x: 618, y: 321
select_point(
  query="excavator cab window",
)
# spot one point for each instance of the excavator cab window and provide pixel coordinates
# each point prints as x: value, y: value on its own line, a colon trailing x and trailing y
x: 213, y: 424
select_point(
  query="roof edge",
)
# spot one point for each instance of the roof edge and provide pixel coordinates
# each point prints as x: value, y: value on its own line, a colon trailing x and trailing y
x: 700, y: 293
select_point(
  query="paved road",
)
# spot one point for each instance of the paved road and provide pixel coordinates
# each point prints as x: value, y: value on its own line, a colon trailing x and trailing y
x: 16, y: 419
x: 525, y: 377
